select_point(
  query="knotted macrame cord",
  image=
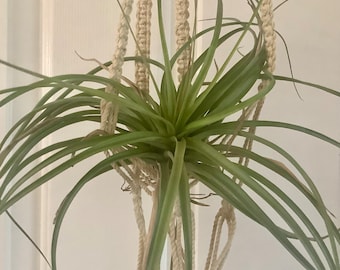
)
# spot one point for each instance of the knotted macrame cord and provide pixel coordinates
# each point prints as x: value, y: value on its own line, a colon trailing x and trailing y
x: 268, y: 34
x: 110, y: 113
x: 226, y: 212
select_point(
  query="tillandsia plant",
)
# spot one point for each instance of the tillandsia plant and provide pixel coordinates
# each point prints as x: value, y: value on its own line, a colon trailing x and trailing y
x: 186, y: 135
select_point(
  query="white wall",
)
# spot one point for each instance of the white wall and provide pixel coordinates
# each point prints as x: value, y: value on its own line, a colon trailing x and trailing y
x: 99, y: 231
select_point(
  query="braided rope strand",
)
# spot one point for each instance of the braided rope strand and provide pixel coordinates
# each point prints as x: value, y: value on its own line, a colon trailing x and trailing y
x: 225, y: 214
x: 143, y: 35
x: 139, y: 215
x: 108, y: 111
x: 182, y: 36
x: 268, y: 32
x: 230, y: 218
x: 175, y: 238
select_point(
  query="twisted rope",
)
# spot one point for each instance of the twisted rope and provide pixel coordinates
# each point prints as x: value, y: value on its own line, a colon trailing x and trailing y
x: 182, y: 36
x: 269, y: 36
x: 268, y: 31
x: 176, y: 243
x: 226, y: 212
x: 139, y: 213
x: 175, y: 230
x: 226, y: 215
x: 143, y: 34
x: 175, y: 236
x: 109, y: 113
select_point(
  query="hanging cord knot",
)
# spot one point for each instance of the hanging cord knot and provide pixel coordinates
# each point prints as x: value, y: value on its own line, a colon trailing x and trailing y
x: 227, y: 210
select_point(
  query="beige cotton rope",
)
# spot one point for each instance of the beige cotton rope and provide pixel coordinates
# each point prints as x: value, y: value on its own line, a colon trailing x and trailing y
x: 143, y: 34
x: 268, y: 34
x: 226, y: 212
x: 108, y: 112
x: 216, y: 258
x: 143, y: 42
x: 141, y: 178
x: 182, y: 36
x: 175, y: 237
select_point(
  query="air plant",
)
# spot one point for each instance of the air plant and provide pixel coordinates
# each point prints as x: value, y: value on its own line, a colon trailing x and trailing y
x: 185, y: 135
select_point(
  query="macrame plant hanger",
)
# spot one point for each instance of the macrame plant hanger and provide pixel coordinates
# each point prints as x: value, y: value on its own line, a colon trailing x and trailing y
x: 215, y: 259
x: 143, y: 178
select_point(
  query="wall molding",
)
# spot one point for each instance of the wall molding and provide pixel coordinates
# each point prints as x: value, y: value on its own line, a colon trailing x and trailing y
x: 46, y: 40
x: 19, y: 44
x: 5, y: 229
